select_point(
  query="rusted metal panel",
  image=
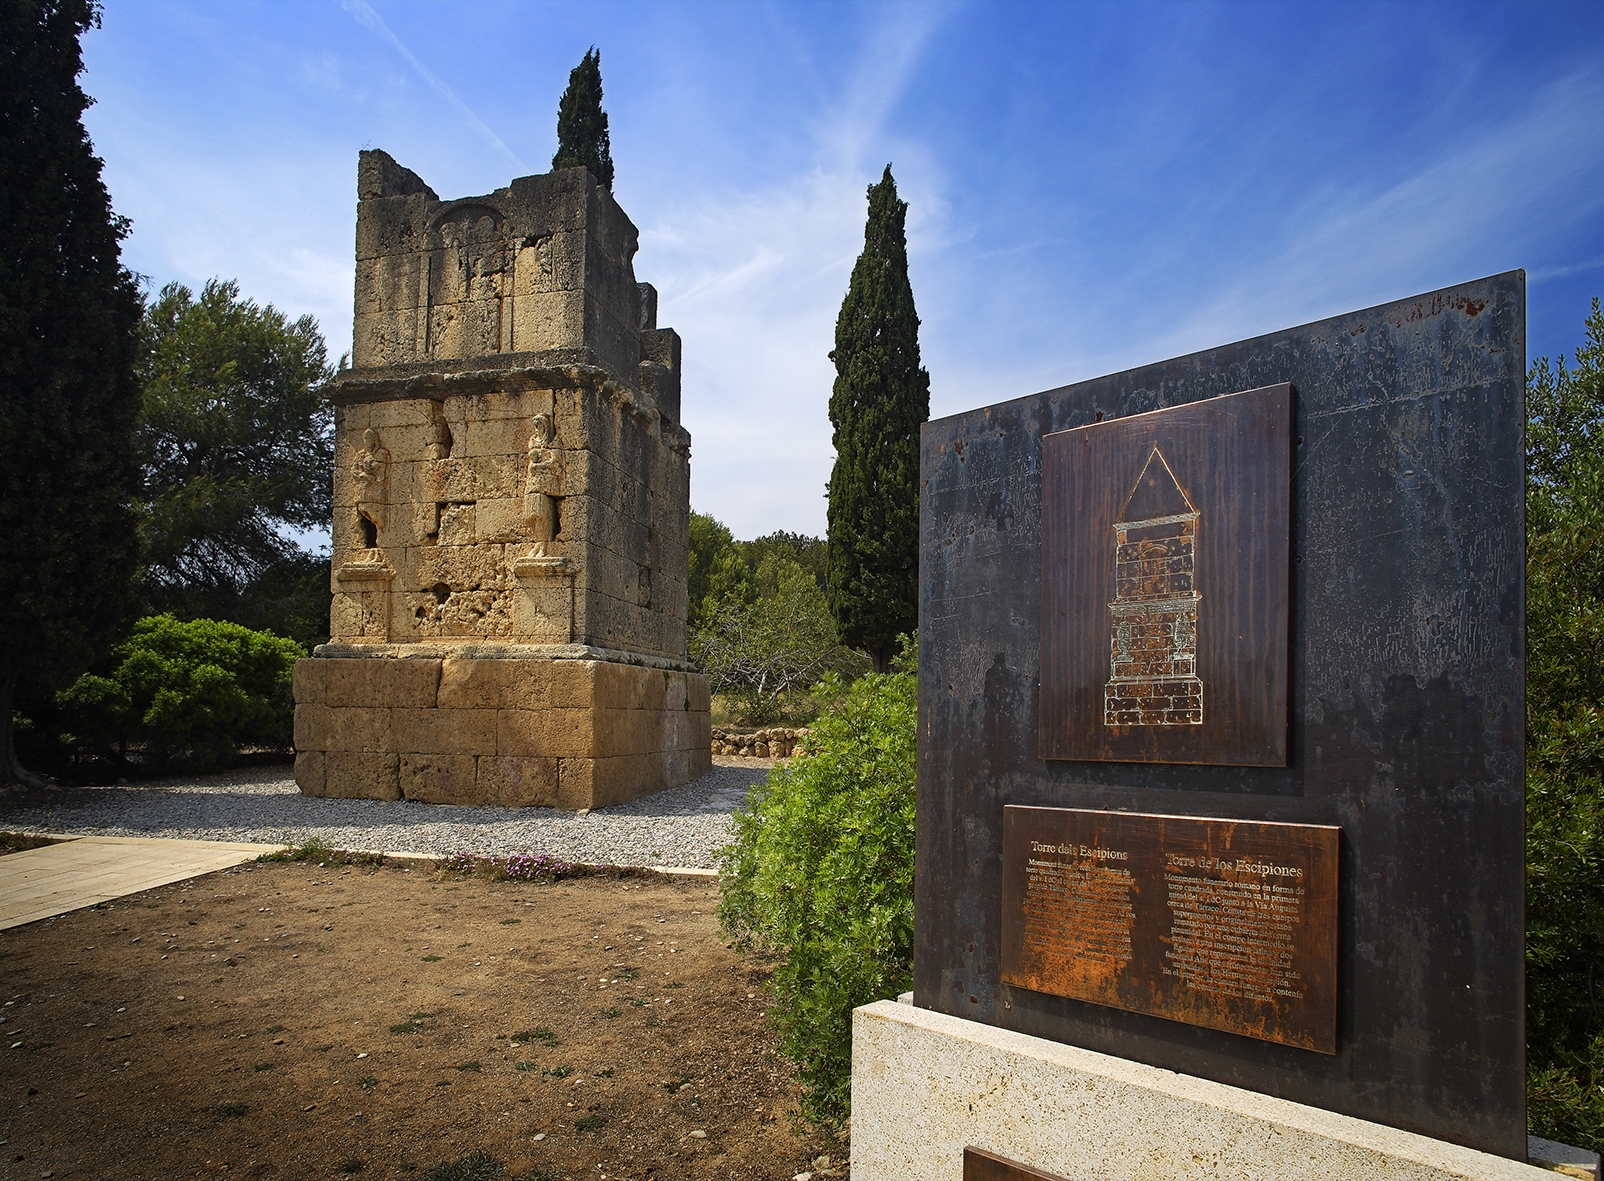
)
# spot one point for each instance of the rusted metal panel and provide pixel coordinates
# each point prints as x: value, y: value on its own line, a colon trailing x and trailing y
x: 980, y: 1165
x: 1165, y: 581
x: 1405, y: 698
x: 1230, y: 924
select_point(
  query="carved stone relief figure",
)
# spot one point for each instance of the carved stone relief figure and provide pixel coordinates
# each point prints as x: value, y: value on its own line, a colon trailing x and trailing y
x: 369, y: 471
x: 439, y: 434
x: 542, y: 484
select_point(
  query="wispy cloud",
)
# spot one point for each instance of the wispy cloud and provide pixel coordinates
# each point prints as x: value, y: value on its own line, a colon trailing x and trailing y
x: 1542, y: 274
x: 1489, y: 203
x: 753, y: 280
x: 371, y: 20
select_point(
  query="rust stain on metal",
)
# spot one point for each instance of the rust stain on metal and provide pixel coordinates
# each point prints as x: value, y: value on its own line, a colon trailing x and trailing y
x: 1229, y: 924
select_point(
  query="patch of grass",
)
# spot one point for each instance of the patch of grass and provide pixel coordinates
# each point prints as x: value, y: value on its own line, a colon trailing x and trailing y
x: 510, y: 922
x: 674, y: 984
x: 431, y: 959
x: 17, y: 842
x: 367, y: 1082
x: 232, y: 1110
x: 559, y: 1071
x: 472, y: 1064
x: 476, y: 1166
x: 354, y: 1164
x: 653, y: 1022
x: 538, y: 1034
x: 323, y: 853
x: 636, y: 1001
x: 590, y: 1123
x: 411, y: 1024
x: 526, y: 1066
x: 612, y: 1012
x: 608, y: 1073
x: 629, y: 974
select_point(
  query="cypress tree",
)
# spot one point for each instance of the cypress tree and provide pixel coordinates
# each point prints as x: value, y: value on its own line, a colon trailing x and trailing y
x: 881, y: 396
x: 582, y: 139
x: 69, y: 316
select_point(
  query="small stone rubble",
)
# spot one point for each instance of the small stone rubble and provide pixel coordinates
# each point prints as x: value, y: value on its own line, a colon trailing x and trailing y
x: 683, y: 826
x: 774, y: 743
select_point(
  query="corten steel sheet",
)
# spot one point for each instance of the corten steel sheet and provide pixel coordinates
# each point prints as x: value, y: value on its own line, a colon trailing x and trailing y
x: 1405, y: 704
x: 980, y: 1165
x: 1228, y: 924
x: 1165, y: 582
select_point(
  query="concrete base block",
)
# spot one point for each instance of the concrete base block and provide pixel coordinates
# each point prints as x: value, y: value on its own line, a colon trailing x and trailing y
x: 503, y: 731
x: 925, y: 1085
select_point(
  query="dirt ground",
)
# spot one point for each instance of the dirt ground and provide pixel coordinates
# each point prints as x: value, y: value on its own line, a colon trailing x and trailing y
x: 291, y: 1020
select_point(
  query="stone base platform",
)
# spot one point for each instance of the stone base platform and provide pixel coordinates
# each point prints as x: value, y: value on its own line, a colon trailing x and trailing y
x: 510, y: 729
x: 925, y: 1085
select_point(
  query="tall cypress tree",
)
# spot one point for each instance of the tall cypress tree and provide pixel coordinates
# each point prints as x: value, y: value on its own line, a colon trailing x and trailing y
x: 582, y: 139
x: 69, y: 315
x: 881, y: 396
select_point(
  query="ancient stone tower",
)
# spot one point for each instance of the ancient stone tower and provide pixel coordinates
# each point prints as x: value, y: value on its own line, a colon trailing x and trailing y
x: 511, y: 491
x: 1153, y: 618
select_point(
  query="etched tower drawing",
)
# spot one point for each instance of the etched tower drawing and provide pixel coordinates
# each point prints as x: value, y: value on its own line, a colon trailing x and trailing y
x: 1153, y: 617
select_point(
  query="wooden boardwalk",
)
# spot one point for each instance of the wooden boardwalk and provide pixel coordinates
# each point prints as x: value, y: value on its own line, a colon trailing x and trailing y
x: 81, y: 871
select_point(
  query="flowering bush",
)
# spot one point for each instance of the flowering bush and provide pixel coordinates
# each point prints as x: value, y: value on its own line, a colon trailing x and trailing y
x: 512, y: 867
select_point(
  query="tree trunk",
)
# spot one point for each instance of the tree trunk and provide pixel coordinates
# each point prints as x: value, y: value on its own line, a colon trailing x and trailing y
x: 11, y: 771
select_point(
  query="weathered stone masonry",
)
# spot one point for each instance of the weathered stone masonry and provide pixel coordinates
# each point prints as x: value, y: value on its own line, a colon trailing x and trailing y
x: 512, y: 490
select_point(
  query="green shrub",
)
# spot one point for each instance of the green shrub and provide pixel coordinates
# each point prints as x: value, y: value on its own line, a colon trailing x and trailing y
x: 195, y: 692
x: 821, y: 875
x: 1565, y: 746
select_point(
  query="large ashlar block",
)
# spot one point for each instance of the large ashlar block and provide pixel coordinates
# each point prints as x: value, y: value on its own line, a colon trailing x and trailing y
x: 925, y: 1085
x: 504, y: 732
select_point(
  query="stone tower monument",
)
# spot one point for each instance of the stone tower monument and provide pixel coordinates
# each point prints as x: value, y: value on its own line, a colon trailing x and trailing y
x: 511, y: 499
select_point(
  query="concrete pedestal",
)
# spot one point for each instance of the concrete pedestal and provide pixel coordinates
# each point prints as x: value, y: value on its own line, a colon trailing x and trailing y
x: 924, y: 1085
x: 514, y: 726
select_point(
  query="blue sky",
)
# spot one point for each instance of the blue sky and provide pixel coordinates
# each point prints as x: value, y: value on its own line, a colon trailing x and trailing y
x: 1091, y: 186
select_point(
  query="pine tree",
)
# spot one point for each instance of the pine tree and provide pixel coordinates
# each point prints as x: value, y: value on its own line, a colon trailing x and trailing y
x: 69, y: 316
x: 881, y: 396
x: 582, y: 140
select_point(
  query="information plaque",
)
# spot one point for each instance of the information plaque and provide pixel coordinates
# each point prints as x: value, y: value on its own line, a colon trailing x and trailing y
x: 1230, y: 924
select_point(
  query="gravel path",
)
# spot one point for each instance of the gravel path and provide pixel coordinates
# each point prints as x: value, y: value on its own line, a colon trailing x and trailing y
x: 683, y: 826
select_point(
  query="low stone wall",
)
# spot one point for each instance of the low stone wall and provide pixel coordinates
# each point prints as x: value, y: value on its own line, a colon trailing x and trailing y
x: 777, y: 742
x: 513, y: 732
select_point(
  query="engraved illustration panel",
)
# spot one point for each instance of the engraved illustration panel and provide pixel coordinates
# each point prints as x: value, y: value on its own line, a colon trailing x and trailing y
x: 1165, y: 584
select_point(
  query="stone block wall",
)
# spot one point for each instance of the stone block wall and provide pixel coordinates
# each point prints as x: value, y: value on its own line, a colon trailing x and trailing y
x: 430, y: 521
x: 511, y: 506
x: 541, y: 265
x: 497, y: 731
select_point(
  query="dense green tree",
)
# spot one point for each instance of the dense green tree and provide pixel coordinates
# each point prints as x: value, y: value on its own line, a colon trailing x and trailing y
x: 1565, y: 744
x: 761, y: 652
x: 193, y: 692
x: 582, y: 139
x: 718, y: 569
x: 811, y: 553
x: 69, y: 315
x: 236, y: 444
x: 881, y: 395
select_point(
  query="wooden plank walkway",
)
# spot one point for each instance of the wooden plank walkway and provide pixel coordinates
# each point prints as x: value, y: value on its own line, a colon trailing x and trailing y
x: 81, y: 871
